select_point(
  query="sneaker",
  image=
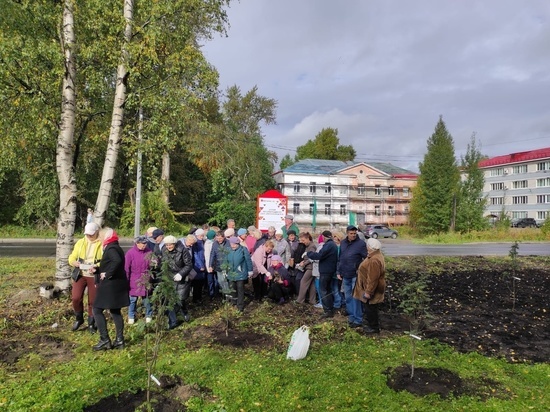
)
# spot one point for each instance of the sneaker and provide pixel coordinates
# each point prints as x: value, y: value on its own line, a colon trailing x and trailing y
x: 131, y: 321
x: 148, y: 320
x: 318, y: 306
x: 354, y: 325
x: 368, y: 330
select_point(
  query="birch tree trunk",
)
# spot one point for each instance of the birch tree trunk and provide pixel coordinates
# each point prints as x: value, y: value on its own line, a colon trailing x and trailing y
x: 165, y: 177
x: 65, y: 153
x: 115, y: 134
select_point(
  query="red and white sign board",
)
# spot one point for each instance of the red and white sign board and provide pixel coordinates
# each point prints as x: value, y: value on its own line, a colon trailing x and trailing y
x: 271, y: 210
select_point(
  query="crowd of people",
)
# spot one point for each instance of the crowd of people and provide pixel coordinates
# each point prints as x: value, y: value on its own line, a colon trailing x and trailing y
x: 338, y: 272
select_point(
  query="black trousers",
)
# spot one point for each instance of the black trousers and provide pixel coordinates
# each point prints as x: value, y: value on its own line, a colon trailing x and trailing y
x: 370, y: 315
x: 259, y: 286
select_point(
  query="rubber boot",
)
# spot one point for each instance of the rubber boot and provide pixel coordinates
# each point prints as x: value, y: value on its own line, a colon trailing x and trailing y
x: 79, y: 320
x: 103, y: 344
x: 91, y: 324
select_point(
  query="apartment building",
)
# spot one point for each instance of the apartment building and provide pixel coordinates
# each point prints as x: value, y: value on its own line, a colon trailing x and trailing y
x: 332, y: 193
x: 518, y: 185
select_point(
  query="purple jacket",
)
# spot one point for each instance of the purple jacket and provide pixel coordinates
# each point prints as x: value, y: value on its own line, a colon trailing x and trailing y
x: 137, y: 270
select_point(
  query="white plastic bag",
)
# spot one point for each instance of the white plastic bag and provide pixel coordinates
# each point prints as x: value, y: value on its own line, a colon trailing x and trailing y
x: 299, y: 344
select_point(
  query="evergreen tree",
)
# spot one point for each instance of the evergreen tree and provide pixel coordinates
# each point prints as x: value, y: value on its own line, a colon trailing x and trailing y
x: 435, y: 194
x: 471, y: 204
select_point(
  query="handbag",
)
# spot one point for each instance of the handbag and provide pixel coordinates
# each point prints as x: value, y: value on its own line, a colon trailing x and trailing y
x: 75, y: 274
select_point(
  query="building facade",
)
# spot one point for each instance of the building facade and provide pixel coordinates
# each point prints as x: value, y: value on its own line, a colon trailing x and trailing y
x: 518, y: 185
x: 333, y: 194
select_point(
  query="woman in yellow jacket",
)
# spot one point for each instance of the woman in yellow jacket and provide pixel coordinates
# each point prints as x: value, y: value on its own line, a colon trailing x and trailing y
x: 87, y: 251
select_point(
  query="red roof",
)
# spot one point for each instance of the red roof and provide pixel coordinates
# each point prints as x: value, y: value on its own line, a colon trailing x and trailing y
x: 516, y: 157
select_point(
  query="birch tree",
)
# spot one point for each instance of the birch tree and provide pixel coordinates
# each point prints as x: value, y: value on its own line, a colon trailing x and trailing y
x: 64, y: 154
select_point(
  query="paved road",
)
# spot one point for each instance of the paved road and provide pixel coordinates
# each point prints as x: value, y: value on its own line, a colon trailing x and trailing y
x: 390, y: 247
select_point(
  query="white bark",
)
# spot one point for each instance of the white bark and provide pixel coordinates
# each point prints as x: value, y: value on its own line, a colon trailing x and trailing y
x: 65, y: 153
x: 115, y: 134
x: 165, y: 177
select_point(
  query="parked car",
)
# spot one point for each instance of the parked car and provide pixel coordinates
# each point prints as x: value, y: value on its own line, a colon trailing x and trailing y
x: 525, y: 222
x: 376, y: 231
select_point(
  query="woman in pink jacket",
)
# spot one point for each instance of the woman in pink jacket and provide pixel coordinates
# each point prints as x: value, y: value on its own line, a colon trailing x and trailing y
x: 261, y: 260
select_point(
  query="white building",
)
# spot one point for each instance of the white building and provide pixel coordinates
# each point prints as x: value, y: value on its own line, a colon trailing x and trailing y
x: 518, y: 184
x: 333, y: 194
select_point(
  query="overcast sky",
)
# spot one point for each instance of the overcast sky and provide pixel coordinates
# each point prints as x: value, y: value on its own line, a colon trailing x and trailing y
x: 382, y: 71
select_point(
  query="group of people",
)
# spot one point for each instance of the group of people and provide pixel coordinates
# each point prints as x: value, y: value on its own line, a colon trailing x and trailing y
x: 338, y: 272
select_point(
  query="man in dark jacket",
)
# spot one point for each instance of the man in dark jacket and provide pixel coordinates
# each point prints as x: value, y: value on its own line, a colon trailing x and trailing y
x: 352, y: 252
x: 328, y: 262
x: 179, y: 263
x: 220, y: 249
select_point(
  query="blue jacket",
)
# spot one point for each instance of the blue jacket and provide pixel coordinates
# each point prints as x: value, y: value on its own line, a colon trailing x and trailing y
x: 238, y: 263
x: 351, y: 256
x: 218, y: 253
x: 327, y: 257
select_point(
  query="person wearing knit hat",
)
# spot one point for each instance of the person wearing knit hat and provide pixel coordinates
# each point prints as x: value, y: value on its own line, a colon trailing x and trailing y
x: 199, y: 233
x: 211, y: 277
x: 239, y: 269
x: 229, y: 232
x: 279, y: 280
x: 241, y: 232
x: 179, y: 263
x: 371, y: 286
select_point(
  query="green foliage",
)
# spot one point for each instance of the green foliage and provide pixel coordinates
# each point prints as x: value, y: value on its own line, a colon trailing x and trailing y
x: 154, y: 212
x: 286, y: 161
x: 326, y: 145
x: 435, y: 195
x: 545, y: 228
x: 470, y: 202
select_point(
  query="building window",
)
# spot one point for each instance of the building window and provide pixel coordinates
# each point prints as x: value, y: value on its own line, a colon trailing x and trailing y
x: 327, y: 209
x: 311, y: 208
x: 296, y: 208
x: 519, y: 200
x: 543, y: 166
x: 519, y: 184
x: 497, y: 200
x: 342, y: 209
x: 543, y: 199
x: 391, y: 191
x: 327, y: 187
x: 405, y: 192
x: 542, y: 215
x: 519, y: 169
x: 406, y: 210
x: 519, y: 215
x: 391, y: 211
x: 497, y: 186
x: 296, y: 187
x: 377, y: 190
x: 361, y: 189
x: 545, y: 182
x: 376, y: 210
x: 312, y: 187
x: 497, y: 172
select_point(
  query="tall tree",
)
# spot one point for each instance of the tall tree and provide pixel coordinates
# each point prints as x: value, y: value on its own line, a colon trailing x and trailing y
x: 470, y: 202
x: 434, y: 197
x: 247, y: 165
x: 65, y: 142
x: 286, y: 161
x: 117, y: 118
x: 326, y: 145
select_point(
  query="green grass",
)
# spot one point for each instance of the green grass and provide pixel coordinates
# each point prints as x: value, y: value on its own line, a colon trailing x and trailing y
x: 340, y: 373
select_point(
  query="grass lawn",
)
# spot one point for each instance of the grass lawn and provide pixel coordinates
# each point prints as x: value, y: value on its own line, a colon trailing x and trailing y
x: 47, y: 368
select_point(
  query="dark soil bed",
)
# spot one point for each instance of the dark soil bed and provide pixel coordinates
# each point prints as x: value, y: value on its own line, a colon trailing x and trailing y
x: 441, y: 382
x: 473, y: 309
